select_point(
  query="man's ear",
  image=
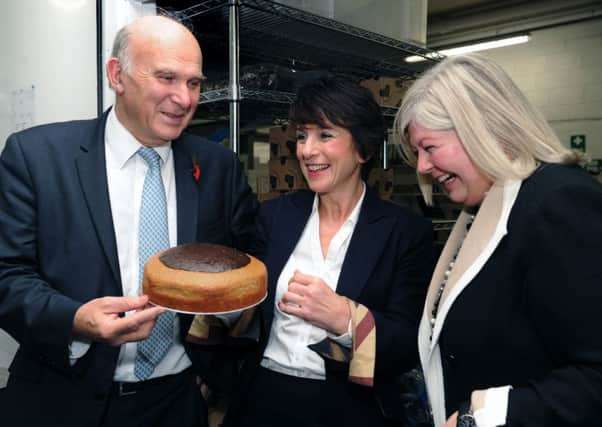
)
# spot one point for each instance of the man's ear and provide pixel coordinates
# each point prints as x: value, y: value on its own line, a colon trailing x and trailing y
x: 114, y: 73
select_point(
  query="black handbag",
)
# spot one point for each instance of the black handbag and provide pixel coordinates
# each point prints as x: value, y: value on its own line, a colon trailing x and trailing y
x: 405, y: 401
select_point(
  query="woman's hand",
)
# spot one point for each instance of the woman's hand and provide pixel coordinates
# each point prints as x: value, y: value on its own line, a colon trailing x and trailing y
x: 452, y: 420
x: 309, y: 298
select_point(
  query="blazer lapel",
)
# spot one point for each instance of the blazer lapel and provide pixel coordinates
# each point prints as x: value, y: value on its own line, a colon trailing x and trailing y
x: 487, y: 231
x: 286, y: 234
x: 454, y: 241
x: 92, y: 171
x: 187, y: 193
x: 365, y: 248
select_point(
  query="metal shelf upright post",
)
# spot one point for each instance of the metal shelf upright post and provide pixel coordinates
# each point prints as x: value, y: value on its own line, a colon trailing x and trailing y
x: 234, y: 76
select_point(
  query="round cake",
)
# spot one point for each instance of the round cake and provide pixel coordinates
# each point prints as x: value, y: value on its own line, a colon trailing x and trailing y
x: 204, y: 278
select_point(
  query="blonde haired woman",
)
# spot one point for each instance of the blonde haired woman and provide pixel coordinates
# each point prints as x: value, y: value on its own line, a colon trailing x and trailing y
x: 510, y: 330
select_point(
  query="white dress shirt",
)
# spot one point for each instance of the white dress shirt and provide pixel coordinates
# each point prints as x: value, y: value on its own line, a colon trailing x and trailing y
x: 287, y: 351
x: 125, y: 175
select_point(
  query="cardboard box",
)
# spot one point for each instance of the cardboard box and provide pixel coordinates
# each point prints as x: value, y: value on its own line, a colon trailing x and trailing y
x: 381, y: 180
x: 263, y: 183
x: 286, y: 175
x: 283, y: 142
x: 387, y: 91
x: 252, y: 180
x: 374, y: 86
x: 259, y: 180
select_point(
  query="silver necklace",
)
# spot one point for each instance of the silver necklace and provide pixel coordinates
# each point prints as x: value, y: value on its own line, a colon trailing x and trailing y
x: 448, y: 271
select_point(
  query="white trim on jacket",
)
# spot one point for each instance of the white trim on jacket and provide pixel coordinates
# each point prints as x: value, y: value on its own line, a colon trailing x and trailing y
x: 487, y: 230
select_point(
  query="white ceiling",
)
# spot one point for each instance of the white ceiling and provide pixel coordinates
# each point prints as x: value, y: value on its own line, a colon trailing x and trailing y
x: 444, y: 6
x: 457, y: 21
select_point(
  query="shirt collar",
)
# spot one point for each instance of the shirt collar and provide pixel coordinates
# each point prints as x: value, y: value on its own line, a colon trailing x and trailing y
x: 355, y: 213
x: 124, y: 145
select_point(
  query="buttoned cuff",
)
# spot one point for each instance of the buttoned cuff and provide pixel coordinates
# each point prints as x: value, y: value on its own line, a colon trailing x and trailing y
x: 490, y: 406
x: 346, y: 340
x: 77, y: 349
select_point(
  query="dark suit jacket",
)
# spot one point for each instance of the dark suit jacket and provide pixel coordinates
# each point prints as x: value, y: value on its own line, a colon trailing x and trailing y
x: 529, y: 314
x: 386, y: 268
x: 58, y: 250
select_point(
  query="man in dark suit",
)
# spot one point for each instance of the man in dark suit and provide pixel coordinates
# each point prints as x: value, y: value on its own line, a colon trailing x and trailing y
x: 70, y: 197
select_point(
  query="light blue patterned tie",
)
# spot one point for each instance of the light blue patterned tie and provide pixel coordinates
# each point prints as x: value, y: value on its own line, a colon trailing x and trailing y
x: 153, y: 237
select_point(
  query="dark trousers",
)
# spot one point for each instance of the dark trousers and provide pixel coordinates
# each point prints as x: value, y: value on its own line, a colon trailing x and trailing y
x: 170, y: 401
x: 277, y: 400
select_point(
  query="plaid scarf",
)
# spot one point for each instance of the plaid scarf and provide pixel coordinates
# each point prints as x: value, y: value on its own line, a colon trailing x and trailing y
x: 362, y: 356
x: 209, y: 330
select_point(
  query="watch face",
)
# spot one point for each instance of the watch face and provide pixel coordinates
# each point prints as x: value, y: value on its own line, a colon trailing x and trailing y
x: 466, y: 420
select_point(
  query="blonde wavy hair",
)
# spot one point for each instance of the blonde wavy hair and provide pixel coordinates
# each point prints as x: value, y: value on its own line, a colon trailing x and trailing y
x: 505, y: 136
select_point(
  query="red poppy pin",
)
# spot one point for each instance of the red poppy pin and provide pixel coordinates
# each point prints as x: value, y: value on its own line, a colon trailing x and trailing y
x: 196, y: 170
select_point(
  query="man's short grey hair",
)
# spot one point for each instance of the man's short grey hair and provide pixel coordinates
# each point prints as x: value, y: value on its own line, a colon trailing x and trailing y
x: 121, y: 48
x: 121, y: 44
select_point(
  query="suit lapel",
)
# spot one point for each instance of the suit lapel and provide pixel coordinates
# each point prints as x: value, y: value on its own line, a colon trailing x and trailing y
x: 92, y: 171
x: 482, y: 231
x: 187, y: 193
x: 451, y: 247
x: 290, y: 223
x: 367, y: 243
x: 487, y: 231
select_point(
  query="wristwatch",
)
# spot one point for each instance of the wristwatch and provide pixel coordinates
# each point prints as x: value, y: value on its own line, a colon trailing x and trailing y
x: 465, y: 416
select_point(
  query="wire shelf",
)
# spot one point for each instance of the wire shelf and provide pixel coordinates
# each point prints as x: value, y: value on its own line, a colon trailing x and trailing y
x: 277, y: 33
x: 271, y: 96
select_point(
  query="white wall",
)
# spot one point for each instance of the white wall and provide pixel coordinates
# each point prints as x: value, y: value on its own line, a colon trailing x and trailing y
x: 48, y: 53
x: 116, y: 14
x: 48, y: 62
x: 560, y: 70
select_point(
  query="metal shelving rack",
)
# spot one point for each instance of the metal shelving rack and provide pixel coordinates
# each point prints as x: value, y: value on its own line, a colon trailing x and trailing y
x: 285, y: 98
x: 264, y: 30
x: 256, y: 94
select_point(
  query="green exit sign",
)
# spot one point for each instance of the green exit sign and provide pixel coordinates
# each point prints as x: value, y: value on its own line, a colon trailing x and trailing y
x: 578, y: 142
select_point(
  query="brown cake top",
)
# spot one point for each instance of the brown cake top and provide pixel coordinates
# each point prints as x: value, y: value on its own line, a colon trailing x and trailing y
x: 204, y: 257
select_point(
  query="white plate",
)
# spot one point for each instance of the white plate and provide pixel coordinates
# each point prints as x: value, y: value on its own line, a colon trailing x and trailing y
x: 213, y: 312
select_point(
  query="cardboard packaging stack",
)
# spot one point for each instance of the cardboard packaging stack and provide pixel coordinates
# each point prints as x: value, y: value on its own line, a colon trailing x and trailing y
x: 255, y: 163
x: 284, y: 172
x: 381, y: 180
x: 387, y: 91
x: 283, y: 142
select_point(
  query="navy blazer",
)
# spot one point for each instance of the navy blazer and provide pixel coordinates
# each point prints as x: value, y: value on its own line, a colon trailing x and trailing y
x: 58, y: 251
x: 387, y: 268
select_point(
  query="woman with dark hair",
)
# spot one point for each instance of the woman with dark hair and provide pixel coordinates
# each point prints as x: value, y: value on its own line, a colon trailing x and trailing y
x: 347, y: 276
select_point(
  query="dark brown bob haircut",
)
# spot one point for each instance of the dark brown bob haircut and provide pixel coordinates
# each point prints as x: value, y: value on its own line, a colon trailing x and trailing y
x: 344, y: 104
